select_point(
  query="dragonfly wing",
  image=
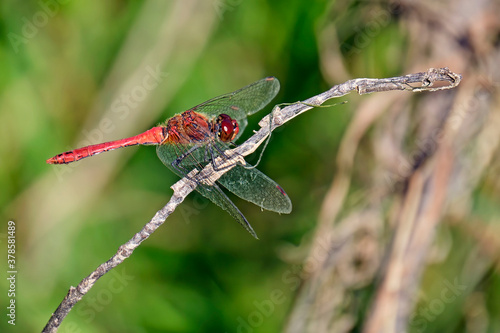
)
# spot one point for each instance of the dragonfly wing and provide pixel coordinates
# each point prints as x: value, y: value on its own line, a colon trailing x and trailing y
x: 186, y: 157
x: 243, y: 102
x: 170, y: 153
x: 215, y: 194
x: 254, y: 186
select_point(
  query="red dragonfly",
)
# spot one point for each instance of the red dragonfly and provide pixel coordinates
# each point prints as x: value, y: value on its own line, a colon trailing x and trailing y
x: 198, y: 136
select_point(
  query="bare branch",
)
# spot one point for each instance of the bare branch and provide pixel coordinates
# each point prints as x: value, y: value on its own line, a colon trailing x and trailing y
x: 279, y: 116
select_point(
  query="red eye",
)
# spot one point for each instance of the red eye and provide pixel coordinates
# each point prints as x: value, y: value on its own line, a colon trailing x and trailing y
x: 228, y: 128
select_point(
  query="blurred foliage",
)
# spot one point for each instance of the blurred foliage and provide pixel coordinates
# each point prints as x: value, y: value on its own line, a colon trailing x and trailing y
x: 68, y: 65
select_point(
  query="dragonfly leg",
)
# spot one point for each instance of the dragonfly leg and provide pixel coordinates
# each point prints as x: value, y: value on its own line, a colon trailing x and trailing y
x: 221, y: 153
x: 176, y: 164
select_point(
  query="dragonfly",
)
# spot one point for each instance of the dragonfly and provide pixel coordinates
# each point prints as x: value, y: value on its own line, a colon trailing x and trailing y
x: 201, y: 135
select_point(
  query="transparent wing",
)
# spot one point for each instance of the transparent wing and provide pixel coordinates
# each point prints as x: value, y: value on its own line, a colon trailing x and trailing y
x: 190, y: 156
x: 254, y: 186
x: 215, y: 194
x: 186, y: 157
x: 243, y: 102
x: 248, y: 183
x: 197, y: 159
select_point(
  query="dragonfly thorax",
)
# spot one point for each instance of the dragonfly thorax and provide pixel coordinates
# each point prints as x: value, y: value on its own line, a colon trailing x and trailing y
x: 226, y: 127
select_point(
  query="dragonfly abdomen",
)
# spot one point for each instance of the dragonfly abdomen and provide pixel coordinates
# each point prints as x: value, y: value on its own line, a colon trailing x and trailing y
x: 154, y: 136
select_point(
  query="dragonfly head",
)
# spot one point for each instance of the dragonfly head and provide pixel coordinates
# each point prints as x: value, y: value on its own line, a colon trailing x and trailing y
x: 227, y: 128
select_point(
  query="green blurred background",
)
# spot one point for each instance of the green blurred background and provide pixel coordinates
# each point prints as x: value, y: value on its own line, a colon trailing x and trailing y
x: 70, y: 73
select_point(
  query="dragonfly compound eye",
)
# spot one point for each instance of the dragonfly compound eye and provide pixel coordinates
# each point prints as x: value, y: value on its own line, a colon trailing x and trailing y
x: 228, y: 128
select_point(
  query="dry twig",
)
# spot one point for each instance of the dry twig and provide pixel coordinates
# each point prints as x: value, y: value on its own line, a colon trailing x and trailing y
x: 279, y: 116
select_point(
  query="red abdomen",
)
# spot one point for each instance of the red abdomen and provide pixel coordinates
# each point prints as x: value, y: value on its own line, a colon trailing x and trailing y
x: 156, y: 135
